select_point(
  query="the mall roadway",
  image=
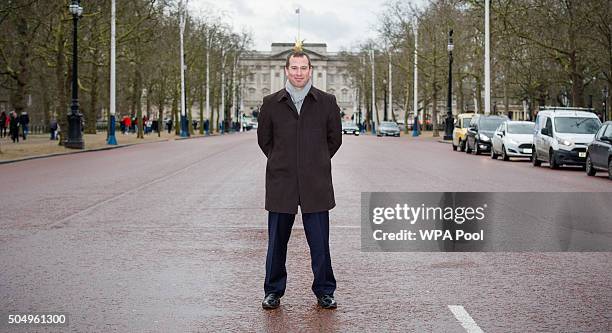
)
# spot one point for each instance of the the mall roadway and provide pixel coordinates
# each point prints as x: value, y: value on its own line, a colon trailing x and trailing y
x: 171, y: 237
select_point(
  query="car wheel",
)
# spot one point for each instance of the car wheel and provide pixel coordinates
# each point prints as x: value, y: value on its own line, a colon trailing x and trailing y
x: 610, y: 168
x: 493, y: 155
x: 504, y: 154
x: 588, y: 167
x: 534, y: 159
x: 454, y: 147
x: 552, y: 160
x: 461, y: 145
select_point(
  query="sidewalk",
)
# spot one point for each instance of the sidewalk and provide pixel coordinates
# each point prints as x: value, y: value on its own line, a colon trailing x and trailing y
x: 427, y: 135
x: 39, y: 145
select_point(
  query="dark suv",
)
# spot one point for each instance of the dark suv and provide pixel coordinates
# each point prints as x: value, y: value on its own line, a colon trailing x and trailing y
x: 599, y: 152
x: 480, y: 133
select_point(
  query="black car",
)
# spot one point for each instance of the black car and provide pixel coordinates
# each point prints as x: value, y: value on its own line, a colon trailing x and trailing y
x: 599, y: 152
x: 480, y: 133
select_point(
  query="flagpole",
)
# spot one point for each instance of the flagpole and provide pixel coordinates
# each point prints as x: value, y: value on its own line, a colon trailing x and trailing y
x: 298, y: 13
x: 487, y: 106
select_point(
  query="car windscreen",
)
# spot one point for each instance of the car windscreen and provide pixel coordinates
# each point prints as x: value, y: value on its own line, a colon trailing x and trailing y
x: 490, y: 124
x: 388, y: 125
x: 577, y: 125
x: 465, y: 122
x: 520, y: 128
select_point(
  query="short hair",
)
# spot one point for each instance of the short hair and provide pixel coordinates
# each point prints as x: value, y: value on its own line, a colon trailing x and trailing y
x: 297, y: 54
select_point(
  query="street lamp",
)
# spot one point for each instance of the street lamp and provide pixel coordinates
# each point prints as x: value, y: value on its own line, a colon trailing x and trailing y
x: 75, y: 137
x: 448, y: 133
x: 385, y: 98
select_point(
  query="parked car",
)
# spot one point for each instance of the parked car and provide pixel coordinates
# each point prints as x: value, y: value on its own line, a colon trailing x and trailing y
x: 513, y: 139
x: 254, y: 123
x: 599, y: 151
x: 561, y: 136
x: 349, y: 128
x: 246, y: 123
x: 388, y: 128
x: 480, y: 132
x: 460, y: 131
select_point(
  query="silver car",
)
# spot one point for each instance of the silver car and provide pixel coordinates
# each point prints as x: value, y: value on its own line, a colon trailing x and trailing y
x: 349, y: 128
x: 388, y: 128
x: 513, y: 139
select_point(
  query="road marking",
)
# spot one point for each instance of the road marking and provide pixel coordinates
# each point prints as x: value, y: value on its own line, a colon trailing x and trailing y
x: 465, y: 319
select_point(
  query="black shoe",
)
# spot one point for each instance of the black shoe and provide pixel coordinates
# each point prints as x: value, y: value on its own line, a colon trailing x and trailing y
x: 327, y: 302
x: 271, y: 301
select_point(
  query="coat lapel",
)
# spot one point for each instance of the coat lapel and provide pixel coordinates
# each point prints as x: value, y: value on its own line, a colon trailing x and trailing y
x: 291, y: 106
x: 284, y: 97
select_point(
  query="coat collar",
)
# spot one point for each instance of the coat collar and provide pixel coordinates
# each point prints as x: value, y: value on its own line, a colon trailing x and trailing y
x: 284, y: 94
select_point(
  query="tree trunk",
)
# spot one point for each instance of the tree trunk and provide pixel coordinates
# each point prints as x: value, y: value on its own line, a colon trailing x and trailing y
x: 138, y: 95
x: 506, y: 100
x: 22, y: 74
x: 434, y: 101
x: 461, y: 95
x: 201, y: 99
x: 577, y: 86
x: 406, y: 102
x: 91, y: 115
x: 61, y: 107
x: 46, y: 101
x: 434, y: 111
x: 478, y: 96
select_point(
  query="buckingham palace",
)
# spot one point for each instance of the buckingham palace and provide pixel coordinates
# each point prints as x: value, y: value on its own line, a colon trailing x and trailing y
x: 266, y: 75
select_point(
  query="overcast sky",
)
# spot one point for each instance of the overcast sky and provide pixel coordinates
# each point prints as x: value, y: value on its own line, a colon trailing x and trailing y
x: 339, y: 23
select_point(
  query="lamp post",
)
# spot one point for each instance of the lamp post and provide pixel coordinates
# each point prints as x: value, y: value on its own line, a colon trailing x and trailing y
x: 184, y: 126
x: 415, y: 127
x: 75, y: 136
x: 448, y: 133
x: 112, y: 139
x: 385, y: 99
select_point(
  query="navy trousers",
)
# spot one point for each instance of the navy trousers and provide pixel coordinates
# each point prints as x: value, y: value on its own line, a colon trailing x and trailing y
x: 316, y: 227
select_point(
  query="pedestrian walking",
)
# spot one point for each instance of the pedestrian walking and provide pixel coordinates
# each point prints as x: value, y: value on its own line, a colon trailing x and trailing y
x: 53, y: 128
x: 128, y: 124
x: 169, y: 125
x: 24, y: 122
x: 299, y: 132
x: 14, y: 127
x: 3, y: 124
x: 122, y: 125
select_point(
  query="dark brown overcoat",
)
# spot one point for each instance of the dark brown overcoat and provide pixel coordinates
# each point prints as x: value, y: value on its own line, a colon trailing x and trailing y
x: 299, y: 149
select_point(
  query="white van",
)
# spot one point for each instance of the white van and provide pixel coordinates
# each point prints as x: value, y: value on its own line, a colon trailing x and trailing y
x: 562, y: 134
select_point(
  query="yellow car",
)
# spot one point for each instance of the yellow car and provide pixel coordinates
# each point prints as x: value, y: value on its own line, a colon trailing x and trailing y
x: 459, y: 133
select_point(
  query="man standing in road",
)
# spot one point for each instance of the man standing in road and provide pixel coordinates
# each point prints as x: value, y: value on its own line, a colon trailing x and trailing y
x: 299, y: 132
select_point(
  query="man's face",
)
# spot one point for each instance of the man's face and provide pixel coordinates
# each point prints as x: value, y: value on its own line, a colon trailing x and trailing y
x: 298, y: 72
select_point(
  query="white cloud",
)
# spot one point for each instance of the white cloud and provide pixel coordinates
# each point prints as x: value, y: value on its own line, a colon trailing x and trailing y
x: 339, y: 23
